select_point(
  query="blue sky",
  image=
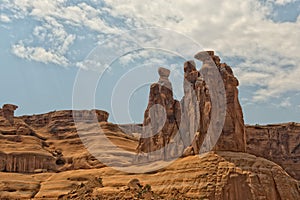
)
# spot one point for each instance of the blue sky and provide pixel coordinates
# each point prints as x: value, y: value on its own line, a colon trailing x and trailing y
x: 45, y: 43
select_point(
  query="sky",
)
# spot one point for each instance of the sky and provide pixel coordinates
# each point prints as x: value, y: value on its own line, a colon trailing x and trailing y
x: 46, y: 45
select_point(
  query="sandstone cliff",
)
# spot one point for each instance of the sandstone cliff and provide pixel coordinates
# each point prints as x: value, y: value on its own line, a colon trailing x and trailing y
x: 278, y: 142
x: 216, y: 176
x: 31, y: 144
x: 59, y: 165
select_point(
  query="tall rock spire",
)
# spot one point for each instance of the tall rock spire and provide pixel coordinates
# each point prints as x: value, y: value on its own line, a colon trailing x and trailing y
x: 186, y: 124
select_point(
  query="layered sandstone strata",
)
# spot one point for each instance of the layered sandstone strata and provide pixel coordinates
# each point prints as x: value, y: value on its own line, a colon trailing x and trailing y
x: 278, y: 142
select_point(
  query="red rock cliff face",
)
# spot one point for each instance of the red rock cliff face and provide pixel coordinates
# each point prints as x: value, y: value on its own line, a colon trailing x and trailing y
x: 279, y: 143
x: 31, y: 144
x: 232, y: 137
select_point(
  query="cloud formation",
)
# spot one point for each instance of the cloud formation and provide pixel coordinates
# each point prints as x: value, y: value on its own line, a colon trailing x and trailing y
x: 282, y: 2
x: 38, y: 54
x: 4, y: 18
x: 243, y: 30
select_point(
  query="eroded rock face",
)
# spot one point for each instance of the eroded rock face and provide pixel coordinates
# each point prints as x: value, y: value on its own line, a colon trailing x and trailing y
x: 232, y: 137
x: 279, y: 143
x: 26, y: 162
x: 233, y: 134
x: 215, y: 176
x: 7, y: 112
x: 191, y: 118
x: 158, y: 133
x: 27, y: 144
x: 56, y: 121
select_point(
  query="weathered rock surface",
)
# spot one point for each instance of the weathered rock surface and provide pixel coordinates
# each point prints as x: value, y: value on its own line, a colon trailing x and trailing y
x: 161, y: 119
x: 38, y: 143
x: 60, y: 166
x: 279, y: 143
x: 198, y: 106
x: 232, y: 137
x: 63, y: 118
x: 8, y: 111
x: 220, y: 175
x: 187, y: 123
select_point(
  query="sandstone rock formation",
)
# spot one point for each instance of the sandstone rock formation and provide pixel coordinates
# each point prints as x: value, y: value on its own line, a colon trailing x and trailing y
x: 84, y: 190
x: 198, y: 106
x: 216, y: 176
x: 220, y: 175
x: 278, y: 142
x: 161, y: 118
x: 63, y: 118
x: 232, y: 137
x: 32, y: 144
x: 7, y: 112
x: 187, y: 123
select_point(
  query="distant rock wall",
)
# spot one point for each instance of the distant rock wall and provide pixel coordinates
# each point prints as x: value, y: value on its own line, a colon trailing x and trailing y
x: 57, y: 119
x: 279, y: 143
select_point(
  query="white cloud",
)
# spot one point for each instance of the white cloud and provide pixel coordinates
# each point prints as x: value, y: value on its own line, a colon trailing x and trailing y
x: 38, y: 54
x: 235, y: 29
x: 51, y: 33
x: 283, y: 2
x: 4, y: 18
x: 285, y: 103
x: 67, y: 42
x: 240, y: 28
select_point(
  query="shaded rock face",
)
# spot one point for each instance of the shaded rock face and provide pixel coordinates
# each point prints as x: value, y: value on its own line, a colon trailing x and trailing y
x: 279, y: 143
x: 158, y: 133
x: 191, y: 118
x: 26, y: 162
x: 236, y: 187
x: 7, y: 112
x: 232, y: 137
x: 196, y: 108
